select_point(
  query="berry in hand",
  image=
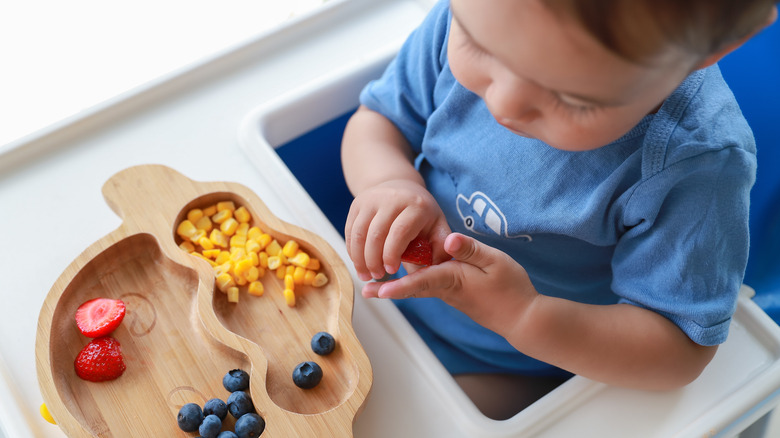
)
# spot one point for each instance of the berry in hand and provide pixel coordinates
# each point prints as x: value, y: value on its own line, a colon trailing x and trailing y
x: 250, y: 426
x: 99, y: 316
x: 236, y: 380
x: 307, y: 375
x: 419, y: 252
x: 100, y: 360
x: 190, y: 417
x: 323, y: 343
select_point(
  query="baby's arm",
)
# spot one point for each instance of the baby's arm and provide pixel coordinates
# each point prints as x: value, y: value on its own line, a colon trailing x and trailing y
x: 617, y: 344
x: 392, y: 205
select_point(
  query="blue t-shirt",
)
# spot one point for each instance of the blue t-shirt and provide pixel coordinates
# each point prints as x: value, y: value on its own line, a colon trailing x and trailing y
x: 657, y: 218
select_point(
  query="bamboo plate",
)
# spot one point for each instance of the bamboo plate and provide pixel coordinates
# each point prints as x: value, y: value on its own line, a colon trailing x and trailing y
x: 180, y: 337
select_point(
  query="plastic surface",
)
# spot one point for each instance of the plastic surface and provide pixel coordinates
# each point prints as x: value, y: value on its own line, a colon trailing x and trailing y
x: 740, y: 385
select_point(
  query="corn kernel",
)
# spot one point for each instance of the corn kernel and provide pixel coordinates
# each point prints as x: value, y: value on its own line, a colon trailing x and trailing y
x: 251, y: 246
x: 194, y: 214
x: 210, y: 210
x: 232, y: 294
x: 197, y: 236
x: 274, y: 262
x: 186, y: 229
x: 242, y: 267
x: 238, y: 241
x: 229, y: 226
x: 252, y: 274
x: 273, y: 248
x: 237, y: 254
x: 256, y: 288
x: 221, y: 216
x: 281, y: 272
x: 290, y: 248
x: 242, y: 229
x: 262, y: 257
x: 225, y: 281
x: 289, y: 297
x: 241, y: 281
x: 299, y: 274
x: 205, y: 242
x: 223, y: 257
x: 264, y: 240
x: 289, y: 283
x: 212, y: 253
x: 289, y: 270
x: 253, y: 233
x: 204, y: 224
x: 226, y: 206
x: 219, y: 238
x: 187, y: 246
x: 314, y: 264
x: 320, y: 280
x: 308, y: 277
x: 301, y: 259
x: 242, y: 214
x: 201, y: 256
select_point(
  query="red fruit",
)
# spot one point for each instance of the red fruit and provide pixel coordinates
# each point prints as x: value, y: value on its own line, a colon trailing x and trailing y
x: 418, y: 252
x: 100, y: 360
x: 99, y: 316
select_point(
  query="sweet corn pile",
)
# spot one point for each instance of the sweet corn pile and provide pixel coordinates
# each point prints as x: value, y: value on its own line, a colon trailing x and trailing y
x: 241, y: 254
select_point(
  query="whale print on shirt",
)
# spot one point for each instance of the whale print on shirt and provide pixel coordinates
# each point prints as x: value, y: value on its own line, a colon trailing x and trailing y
x: 481, y: 216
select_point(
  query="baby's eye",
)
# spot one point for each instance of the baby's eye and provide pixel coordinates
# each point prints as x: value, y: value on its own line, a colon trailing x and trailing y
x: 574, y: 106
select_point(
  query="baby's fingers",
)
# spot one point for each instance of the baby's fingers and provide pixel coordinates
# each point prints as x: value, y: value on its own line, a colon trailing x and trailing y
x: 431, y: 281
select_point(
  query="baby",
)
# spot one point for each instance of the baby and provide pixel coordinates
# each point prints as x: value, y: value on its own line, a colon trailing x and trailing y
x: 583, y: 173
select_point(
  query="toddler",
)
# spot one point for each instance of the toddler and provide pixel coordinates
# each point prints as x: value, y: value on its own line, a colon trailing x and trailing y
x: 583, y: 173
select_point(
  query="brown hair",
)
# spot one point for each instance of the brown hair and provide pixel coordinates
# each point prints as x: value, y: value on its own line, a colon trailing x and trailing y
x: 637, y: 30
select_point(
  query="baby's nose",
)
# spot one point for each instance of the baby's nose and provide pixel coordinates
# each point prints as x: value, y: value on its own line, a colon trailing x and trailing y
x: 513, y: 99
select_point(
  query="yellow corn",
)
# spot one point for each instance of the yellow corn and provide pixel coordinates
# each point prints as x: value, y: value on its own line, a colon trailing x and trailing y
x: 242, y: 229
x: 212, y: 253
x: 289, y: 297
x: 252, y: 274
x: 290, y: 248
x: 299, y: 274
x: 320, y: 280
x: 242, y: 267
x: 226, y: 206
x: 300, y: 259
x: 242, y: 214
x: 210, y: 210
x: 241, y: 281
x: 186, y: 229
x: 225, y: 281
x: 232, y: 294
x: 254, y: 258
x: 274, y: 262
x: 194, y: 214
x: 238, y: 241
x: 223, y: 268
x: 251, y: 246
x: 289, y: 283
x: 264, y: 240
x: 205, y: 243
x: 308, y: 277
x: 219, y: 238
x: 221, y: 216
x: 228, y: 226
x: 281, y: 272
x: 289, y: 270
x: 223, y: 257
x: 314, y: 264
x: 273, y: 248
x: 237, y: 254
x: 199, y: 255
x: 253, y: 233
x: 187, y: 246
x: 197, y: 236
x: 256, y: 288
x: 204, y: 224
x: 262, y: 257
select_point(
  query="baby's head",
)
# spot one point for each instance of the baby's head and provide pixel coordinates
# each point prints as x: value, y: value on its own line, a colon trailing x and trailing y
x: 580, y: 74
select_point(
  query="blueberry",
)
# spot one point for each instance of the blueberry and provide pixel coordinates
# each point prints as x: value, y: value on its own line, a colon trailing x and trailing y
x: 236, y: 380
x: 189, y: 418
x: 323, y: 343
x: 239, y: 403
x: 250, y: 426
x: 210, y: 426
x: 216, y: 407
x: 227, y: 434
x: 307, y: 375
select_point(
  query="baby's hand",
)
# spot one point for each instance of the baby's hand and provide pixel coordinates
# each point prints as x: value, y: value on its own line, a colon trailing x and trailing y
x: 384, y: 219
x: 481, y: 281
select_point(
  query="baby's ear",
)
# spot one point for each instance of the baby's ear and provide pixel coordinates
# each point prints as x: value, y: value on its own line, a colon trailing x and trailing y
x: 717, y: 56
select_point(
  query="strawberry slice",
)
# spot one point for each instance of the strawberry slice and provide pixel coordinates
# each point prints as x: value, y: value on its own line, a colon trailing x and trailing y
x: 99, y: 316
x: 418, y: 252
x: 100, y: 360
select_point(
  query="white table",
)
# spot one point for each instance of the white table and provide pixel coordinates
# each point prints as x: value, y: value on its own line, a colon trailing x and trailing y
x: 190, y: 120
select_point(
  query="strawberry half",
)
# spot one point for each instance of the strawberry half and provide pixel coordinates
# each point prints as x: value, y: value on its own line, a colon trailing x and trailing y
x: 100, y: 316
x: 418, y: 252
x: 100, y: 360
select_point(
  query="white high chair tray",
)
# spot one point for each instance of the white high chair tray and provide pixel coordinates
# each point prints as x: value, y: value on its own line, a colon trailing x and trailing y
x: 53, y: 208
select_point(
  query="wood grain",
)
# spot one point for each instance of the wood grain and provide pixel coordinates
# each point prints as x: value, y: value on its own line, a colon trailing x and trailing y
x: 180, y: 335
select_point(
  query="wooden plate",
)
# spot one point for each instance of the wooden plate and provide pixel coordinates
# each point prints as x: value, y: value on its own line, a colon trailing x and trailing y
x: 180, y: 335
